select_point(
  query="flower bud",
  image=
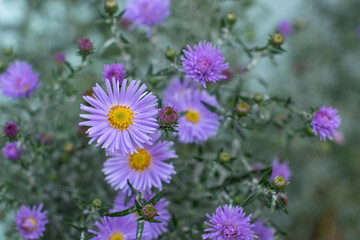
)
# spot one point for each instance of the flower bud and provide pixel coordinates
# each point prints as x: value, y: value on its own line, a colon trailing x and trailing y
x: 10, y: 129
x: 85, y: 46
x: 278, y: 39
x: 153, y: 81
x: 283, y: 198
x: 279, y: 183
x: 224, y: 157
x: 68, y: 147
x: 168, y: 116
x: 149, y: 212
x: 243, y: 108
x: 258, y: 97
x: 111, y: 7
x: 231, y: 18
x: 96, y: 203
x: 170, y: 54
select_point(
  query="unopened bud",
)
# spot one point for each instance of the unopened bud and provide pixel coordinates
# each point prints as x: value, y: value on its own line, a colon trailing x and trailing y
x: 283, y: 199
x: 231, y: 18
x: 279, y: 183
x: 258, y: 97
x: 60, y: 57
x: 149, y: 211
x: 96, y: 203
x: 153, y: 81
x: 111, y: 7
x: 278, y: 39
x: 243, y: 108
x: 10, y: 129
x: 168, y: 116
x: 85, y: 46
x: 170, y: 54
x: 224, y: 157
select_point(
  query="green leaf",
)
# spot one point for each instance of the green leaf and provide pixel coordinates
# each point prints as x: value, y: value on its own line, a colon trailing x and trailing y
x: 139, y: 229
x: 156, y: 198
x: 122, y: 213
x: 123, y: 39
x: 155, y: 221
x: 132, y: 188
x: 138, y: 207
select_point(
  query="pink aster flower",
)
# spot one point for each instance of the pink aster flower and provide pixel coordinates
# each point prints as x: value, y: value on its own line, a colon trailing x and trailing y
x: 204, y: 63
x: 325, y: 122
x: 19, y: 80
x: 30, y: 222
x: 122, y: 119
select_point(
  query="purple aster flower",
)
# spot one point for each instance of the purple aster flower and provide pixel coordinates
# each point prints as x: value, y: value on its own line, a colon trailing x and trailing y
x: 12, y: 150
x: 120, y: 120
x: 176, y: 90
x: 325, y: 122
x: 151, y: 230
x: 262, y: 231
x: 204, y: 63
x: 30, y: 222
x: 285, y: 27
x: 10, y: 129
x: 60, y: 57
x: 229, y: 223
x: 19, y: 80
x: 115, y: 70
x: 114, y: 228
x: 280, y: 169
x: 145, y: 168
x: 147, y: 12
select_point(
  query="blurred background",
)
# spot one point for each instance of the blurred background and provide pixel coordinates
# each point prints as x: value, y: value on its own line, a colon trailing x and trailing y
x: 320, y: 67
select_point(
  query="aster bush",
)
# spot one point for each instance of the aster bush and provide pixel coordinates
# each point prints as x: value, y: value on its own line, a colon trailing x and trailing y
x: 149, y: 119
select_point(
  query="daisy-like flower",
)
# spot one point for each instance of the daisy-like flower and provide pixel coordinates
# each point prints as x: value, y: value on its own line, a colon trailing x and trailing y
x: 280, y: 169
x: 262, y: 231
x: 151, y: 230
x: 30, y: 222
x: 199, y: 123
x: 204, y: 63
x: 19, y: 80
x: 120, y: 120
x: 114, y: 228
x: 145, y: 168
x: 115, y: 70
x: 325, y: 122
x: 146, y: 13
x: 229, y: 223
x: 12, y: 150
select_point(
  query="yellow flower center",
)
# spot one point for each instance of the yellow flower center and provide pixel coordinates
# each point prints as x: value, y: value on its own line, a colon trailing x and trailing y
x: 192, y: 116
x: 29, y: 224
x: 116, y: 236
x: 120, y: 117
x: 140, y: 161
x: 25, y: 88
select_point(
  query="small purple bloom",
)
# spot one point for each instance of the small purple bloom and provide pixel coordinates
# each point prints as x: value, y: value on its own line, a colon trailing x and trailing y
x: 115, y: 70
x: 10, y: 129
x: 285, y: 27
x: 262, y: 231
x: 121, y: 119
x: 151, y: 230
x: 145, y: 168
x: 12, y: 150
x: 325, y: 122
x: 229, y: 223
x: 30, y: 222
x: 147, y: 12
x: 204, y: 63
x: 19, y: 80
x: 168, y: 116
x: 85, y: 45
x: 60, y: 57
x: 280, y: 169
x: 114, y: 228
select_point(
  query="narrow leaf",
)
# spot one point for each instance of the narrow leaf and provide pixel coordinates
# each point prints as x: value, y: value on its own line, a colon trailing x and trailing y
x: 139, y: 229
x: 156, y: 198
x: 122, y: 213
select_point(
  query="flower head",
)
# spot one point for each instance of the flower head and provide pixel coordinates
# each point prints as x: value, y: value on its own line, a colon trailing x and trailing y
x: 168, y: 116
x: 262, y: 231
x: 325, y: 122
x: 147, y: 12
x: 285, y: 27
x: 280, y: 169
x: 229, y: 223
x: 122, y: 119
x: 115, y: 70
x: 12, y: 150
x: 114, y: 228
x: 60, y: 57
x: 144, y: 169
x: 85, y: 45
x: 151, y: 230
x: 10, y: 129
x: 204, y: 63
x: 19, y: 80
x: 30, y: 222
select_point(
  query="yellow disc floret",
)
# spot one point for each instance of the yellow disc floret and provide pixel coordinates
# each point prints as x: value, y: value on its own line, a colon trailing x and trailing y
x: 140, y: 161
x: 120, y: 117
x: 29, y: 224
x: 116, y: 236
x: 192, y: 116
